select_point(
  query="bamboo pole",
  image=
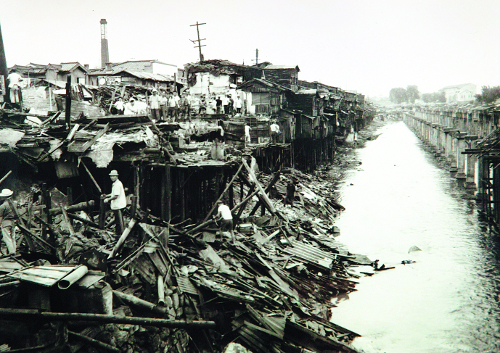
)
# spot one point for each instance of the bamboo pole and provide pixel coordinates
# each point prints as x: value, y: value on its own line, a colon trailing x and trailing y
x: 145, y: 321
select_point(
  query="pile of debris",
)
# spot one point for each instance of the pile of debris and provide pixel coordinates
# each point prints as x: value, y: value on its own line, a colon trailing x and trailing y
x: 162, y: 286
x: 178, y: 287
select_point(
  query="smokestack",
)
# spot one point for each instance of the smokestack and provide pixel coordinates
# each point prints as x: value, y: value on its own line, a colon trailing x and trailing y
x: 104, y: 44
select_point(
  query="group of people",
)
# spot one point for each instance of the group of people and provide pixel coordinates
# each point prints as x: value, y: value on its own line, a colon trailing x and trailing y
x: 165, y: 106
x: 222, y: 104
x: 162, y: 106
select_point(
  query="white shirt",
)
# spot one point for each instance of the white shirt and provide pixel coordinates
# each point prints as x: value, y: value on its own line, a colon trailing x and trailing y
x: 224, y: 212
x: 121, y: 201
x: 131, y: 109
x: 154, y: 101
x: 237, y: 103
x: 14, y: 79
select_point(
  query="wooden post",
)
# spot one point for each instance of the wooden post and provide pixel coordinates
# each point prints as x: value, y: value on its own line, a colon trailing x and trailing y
x: 168, y: 193
x: 4, y: 70
x: 68, y: 103
x: 102, y: 213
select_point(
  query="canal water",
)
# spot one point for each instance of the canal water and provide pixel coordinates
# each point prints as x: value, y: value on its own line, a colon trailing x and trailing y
x: 448, y: 300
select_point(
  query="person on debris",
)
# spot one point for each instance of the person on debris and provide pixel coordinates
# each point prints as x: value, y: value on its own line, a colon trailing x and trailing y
x: 230, y: 105
x: 248, y: 139
x: 7, y: 220
x: 290, y: 193
x: 185, y: 106
x: 117, y: 200
x: 218, y: 104
x: 163, y: 106
x: 15, y: 84
x: 275, y: 132
x: 202, y: 109
x: 119, y: 106
x: 154, y: 104
x: 225, y: 104
x: 238, y: 104
x: 173, y: 105
x: 225, y: 218
x: 131, y: 107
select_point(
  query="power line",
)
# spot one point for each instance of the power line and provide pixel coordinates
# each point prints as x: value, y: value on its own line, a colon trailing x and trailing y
x: 198, y: 40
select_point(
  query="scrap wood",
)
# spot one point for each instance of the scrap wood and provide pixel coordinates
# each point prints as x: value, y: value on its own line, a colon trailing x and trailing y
x: 122, y: 239
x: 84, y: 147
x: 273, y: 181
x: 253, y: 178
x: 93, y: 342
x: 5, y: 176
x: 223, y: 192
x: 91, y: 177
x: 140, y: 303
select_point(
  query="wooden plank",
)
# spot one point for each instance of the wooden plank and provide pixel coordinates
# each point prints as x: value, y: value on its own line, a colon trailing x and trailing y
x: 77, y: 148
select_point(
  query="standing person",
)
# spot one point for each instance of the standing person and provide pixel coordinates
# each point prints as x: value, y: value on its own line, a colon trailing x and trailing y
x: 225, y: 104
x: 230, y: 105
x: 218, y: 104
x: 163, y: 106
x: 154, y: 105
x: 15, y: 84
x: 117, y: 200
x: 7, y: 220
x: 119, y: 106
x: 275, y: 132
x: 248, y: 138
x: 238, y: 104
x: 225, y: 218
x: 290, y: 193
x: 172, y: 106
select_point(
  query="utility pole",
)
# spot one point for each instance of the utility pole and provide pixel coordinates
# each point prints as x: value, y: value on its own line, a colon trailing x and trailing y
x: 4, y: 72
x: 198, y: 40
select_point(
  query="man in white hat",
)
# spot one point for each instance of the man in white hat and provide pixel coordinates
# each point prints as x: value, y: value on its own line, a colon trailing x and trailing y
x: 7, y: 221
x: 154, y: 105
x: 117, y: 200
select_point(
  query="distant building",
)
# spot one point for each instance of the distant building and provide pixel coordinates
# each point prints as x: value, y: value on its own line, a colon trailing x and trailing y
x: 54, y: 74
x: 459, y: 93
x: 148, y: 73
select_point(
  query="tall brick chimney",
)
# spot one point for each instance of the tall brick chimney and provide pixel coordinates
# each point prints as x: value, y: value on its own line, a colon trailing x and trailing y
x: 104, y: 44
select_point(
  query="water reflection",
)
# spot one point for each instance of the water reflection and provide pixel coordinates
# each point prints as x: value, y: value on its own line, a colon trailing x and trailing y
x: 448, y: 300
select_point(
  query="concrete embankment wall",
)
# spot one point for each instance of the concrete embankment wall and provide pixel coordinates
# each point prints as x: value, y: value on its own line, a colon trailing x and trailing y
x: 453, y: 135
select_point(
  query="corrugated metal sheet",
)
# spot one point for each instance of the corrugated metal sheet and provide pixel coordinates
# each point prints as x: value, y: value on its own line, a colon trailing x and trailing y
x: 311, y: 254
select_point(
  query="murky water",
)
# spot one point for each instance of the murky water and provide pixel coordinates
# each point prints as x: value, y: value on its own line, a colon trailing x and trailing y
x: 448, y: 300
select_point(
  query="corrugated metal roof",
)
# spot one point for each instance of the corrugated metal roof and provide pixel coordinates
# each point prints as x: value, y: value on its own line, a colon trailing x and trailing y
x: 280, y: 67
x: 311, y: 254
x: 68, y: 66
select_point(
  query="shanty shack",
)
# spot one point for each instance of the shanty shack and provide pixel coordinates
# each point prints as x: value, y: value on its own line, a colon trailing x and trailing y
x: 284, y: 75
x: 265, y: 97
x: 54, y: 74
x: 217, y: 76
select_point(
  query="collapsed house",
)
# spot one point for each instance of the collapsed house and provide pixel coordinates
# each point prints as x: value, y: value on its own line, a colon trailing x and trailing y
x: 172, y: 280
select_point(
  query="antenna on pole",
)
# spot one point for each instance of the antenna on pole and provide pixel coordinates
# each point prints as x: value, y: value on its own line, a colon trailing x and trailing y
x: 198, y: 40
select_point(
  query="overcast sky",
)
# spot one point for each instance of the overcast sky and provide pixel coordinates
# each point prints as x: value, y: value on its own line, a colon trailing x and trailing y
x: 369, y: 46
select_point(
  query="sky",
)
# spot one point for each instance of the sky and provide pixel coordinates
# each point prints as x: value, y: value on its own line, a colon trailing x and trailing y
x: 369, y: 46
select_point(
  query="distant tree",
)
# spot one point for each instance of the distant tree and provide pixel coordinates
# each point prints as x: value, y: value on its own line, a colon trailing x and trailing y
x: 436, y: 97
x: 488, y: 94
x: 412, y: 93
x: 398, y: 95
